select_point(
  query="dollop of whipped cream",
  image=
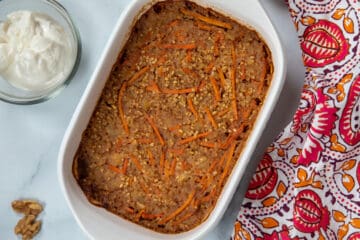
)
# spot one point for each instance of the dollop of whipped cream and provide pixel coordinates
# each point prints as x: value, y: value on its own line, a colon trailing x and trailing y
x: 36, y: 53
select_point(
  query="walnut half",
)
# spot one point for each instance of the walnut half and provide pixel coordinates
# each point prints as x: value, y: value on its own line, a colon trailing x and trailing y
x: 28, y: 226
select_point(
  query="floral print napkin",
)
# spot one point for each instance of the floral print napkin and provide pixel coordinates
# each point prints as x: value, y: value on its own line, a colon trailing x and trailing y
x: 307, y: 186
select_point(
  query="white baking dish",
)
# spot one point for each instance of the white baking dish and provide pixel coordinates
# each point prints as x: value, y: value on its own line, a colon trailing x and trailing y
x: 101, y: 224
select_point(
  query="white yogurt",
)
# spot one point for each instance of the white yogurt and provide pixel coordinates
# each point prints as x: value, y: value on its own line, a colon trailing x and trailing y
x: 35, y: 51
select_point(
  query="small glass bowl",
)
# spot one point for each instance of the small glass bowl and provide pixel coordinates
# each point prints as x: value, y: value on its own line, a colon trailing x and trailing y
x: 11, y: 94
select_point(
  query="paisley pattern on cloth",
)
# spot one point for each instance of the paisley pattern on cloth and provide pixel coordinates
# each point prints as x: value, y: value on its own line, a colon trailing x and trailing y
x: 307, y: 186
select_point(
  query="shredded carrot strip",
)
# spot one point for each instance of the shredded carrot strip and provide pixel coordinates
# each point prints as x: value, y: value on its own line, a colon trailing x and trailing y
x: 167, y: 168
x: 151, y: 158
x: 184, y: 165
x: 192, y: 108
x: 173, y: 167
x: 211, y: 118
x: 137, y: 75
x: 173, y: 23
x: 227, y: 165
x: 155, y: 128
x: 178, y: 91
x: 184, y: 218
x: 188, y: 56
x: 162, y: 162
x: 173, y: 128
x: 222, y: 77
x: 222, y: 159
x: 193, y: 138
x: 136, y: 162
x: 180, y: 209
x: 138, y: 216
x: 121, y: 109
x: 114, y: 169
x: 233, y: 137
x: 125, y: 166
x: 187, y: 46
x: 212, y: 166
x: 216, y: 89
x: 233, y: 82
x: 201, y: 85
x: 210, y: 144
x: 206, y: 19
x: 129, y: 210
x: 153, y: 87
x: 190, y: 72
x: 118, y: 144
x: 203, y: 26
x: 149, y: 216
x: 223, y: 112
x: 176, y: 151
x: 210, y: 67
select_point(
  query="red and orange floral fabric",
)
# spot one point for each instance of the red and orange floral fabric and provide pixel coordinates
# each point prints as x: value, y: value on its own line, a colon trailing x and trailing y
x: 307, y: 186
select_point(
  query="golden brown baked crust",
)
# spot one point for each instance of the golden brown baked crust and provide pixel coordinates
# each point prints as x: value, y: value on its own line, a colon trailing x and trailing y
x: 173, y: 117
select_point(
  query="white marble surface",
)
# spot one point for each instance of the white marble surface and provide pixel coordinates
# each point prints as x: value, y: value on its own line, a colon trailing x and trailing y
x: 30, y: 136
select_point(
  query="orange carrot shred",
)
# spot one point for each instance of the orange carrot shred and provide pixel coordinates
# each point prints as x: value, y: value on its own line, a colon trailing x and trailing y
x: 174, y: 23
x: 180, y: 209
x: 212, y: 166
x: 216, y: 89
x: 222, y: 77
x: 174, y: 128
x: 178, y: 91
x: 136, y: 162
x: 223, y: 112
x: 129, y: 210
x: 148, y: 216
x: 162, y: 162
x: 155, y: 128
x: 138, y: 216
x: 233, y: 82
x: 183, y: 218
x: 114, y: 169
x: 153, y: 87
x: 193, y: 138
x: 176, y: 151
x: 210, y: 67
x: 125, y: 166
x: 145, y: 140
x: 187, y: 46
x: 202, y: 84
x: 228, y: 162
x: 206, y: 19
x: 209, y: 144
x: 173, y: 167
x: 203, y: 26
x: 211, y: 118
x: 188, y: 56
x: 232, y: 137
x: 151, y: 158
x: 192, y: 108
x: 137, y: 75
x: 121, y: 109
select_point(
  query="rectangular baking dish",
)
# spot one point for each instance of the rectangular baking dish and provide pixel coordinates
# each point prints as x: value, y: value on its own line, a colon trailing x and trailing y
x: 98, y: 223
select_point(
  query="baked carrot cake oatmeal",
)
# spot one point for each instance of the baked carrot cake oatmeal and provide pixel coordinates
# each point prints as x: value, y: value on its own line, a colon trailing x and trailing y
x: 175, y: 113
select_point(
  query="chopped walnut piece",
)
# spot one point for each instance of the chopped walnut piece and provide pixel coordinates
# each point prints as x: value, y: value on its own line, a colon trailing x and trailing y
x: 28, y: 226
